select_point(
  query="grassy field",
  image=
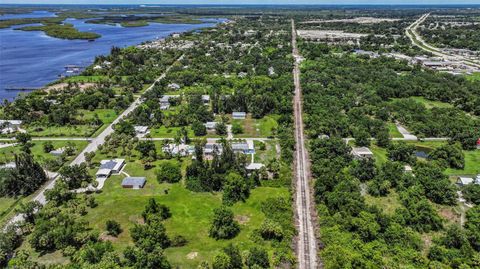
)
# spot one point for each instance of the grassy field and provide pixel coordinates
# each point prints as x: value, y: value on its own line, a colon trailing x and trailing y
x: 170, y: 132
x: 474, y: 77
x: 257, y: 127
x: 107, y: 116
x: 428, y: 103
x: 92, y: 79
x: 191, y: 216
x: 388, y: 203
x: 472, y: 164
x: 62, y: 131
x: 269, y: 153
x: 393, y: 130
x: 7, y: 154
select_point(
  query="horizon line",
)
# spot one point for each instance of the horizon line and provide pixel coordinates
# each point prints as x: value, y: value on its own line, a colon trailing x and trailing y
x: 219, y: 4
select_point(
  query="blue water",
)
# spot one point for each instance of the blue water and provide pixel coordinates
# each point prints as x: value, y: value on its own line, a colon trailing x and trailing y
x: 34, y: 14
x: 33, y: 59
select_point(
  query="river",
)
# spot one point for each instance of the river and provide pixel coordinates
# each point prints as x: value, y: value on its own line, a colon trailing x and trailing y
x: 33, y: 59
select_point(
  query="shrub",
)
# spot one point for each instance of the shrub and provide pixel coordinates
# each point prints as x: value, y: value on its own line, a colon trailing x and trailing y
x: 169, y: 172
x: 113, y: 228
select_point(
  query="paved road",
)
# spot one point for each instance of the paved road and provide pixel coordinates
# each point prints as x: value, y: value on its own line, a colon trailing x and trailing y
x: 92, y: 146
x: 307, y: 243
x: 411, y: 32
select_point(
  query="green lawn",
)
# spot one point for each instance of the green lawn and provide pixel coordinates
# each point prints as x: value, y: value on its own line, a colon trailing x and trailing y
x: 257, y: 127
x: 388, y: 203
x: 169, y: 132
x: 474, y: 77
x: 191, y: 216
x: 62, y: 131
x: 472, y: 164
x: 107, y: 116
x: 393, y: 130
x: 91, y: 79
x: 428, y: 103
x: 7, y: 154
x: 269, y: 153
x: 380, y: 154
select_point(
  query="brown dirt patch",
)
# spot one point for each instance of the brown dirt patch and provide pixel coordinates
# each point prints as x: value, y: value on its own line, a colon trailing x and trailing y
x: 192, y: 255
x: 449, y: 214
x: 136, y: 219
x: 105, y: 237
x: 62, y: 86
x: 242, y: 219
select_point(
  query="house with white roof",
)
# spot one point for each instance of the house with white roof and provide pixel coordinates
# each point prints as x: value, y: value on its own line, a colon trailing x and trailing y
x: 254, y: 166
x: 210, y: 125
x: 109, y: 167
x: 361, y: 153
x: 463, y: 181
x: 10, y: 126
x: 239, y: 115
x: 206, y: 99
x: 174, y: 86
x: 141, y: 131
x: 58, y: 152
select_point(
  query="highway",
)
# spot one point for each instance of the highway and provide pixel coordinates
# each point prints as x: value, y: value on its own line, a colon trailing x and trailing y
x: 304, y: 209
x: 411, y: 32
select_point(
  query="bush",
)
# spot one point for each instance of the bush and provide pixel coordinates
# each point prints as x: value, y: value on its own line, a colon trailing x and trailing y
x: 223, y: 225
x: 199, y: 129
x: 237, y: 128
x: 178, y: 241
x: 169, y: 172
x: 48, y: 147
x: 270, y: 230
x: 113, y: 228
x: 257, y: 258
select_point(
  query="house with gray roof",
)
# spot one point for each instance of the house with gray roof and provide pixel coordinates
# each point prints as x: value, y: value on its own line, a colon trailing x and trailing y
x: 133, y: 182
x: 239, y: 115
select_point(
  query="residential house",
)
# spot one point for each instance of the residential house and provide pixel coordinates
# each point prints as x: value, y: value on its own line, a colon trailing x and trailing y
x: 211, y: 147
x: 9, y: 126
x: 361, y: 153
x: 243, y: 147
x: 254, y: 166
x: 133, y: 182
x: 141, y: 130
x: 206, y: 99
x: 109, y: 167
x: 239, y: 115
x: 58, y: 152
x: 463, y: 181
x: 210, y: 125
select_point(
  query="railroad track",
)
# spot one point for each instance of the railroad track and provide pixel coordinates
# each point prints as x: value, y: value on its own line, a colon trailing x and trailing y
x: 306, y: 245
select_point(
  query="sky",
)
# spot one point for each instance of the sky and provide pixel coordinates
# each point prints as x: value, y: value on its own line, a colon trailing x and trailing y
x: 260, y: 2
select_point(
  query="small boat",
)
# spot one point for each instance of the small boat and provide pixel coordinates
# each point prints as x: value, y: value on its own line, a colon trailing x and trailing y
x: 91, y: 40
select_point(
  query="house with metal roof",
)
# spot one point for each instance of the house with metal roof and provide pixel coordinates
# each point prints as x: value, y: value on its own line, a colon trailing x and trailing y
x: 361, y: 153
x: 243, y: 147
x: 239, y: 115
x: 211, y: 147
x: 58, y: 152
x: 108, y: 167
x: 134, y: 182
x: 210, y: 125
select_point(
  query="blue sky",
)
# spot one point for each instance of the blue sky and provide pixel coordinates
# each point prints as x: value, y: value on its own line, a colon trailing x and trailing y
x: 326, y: 2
